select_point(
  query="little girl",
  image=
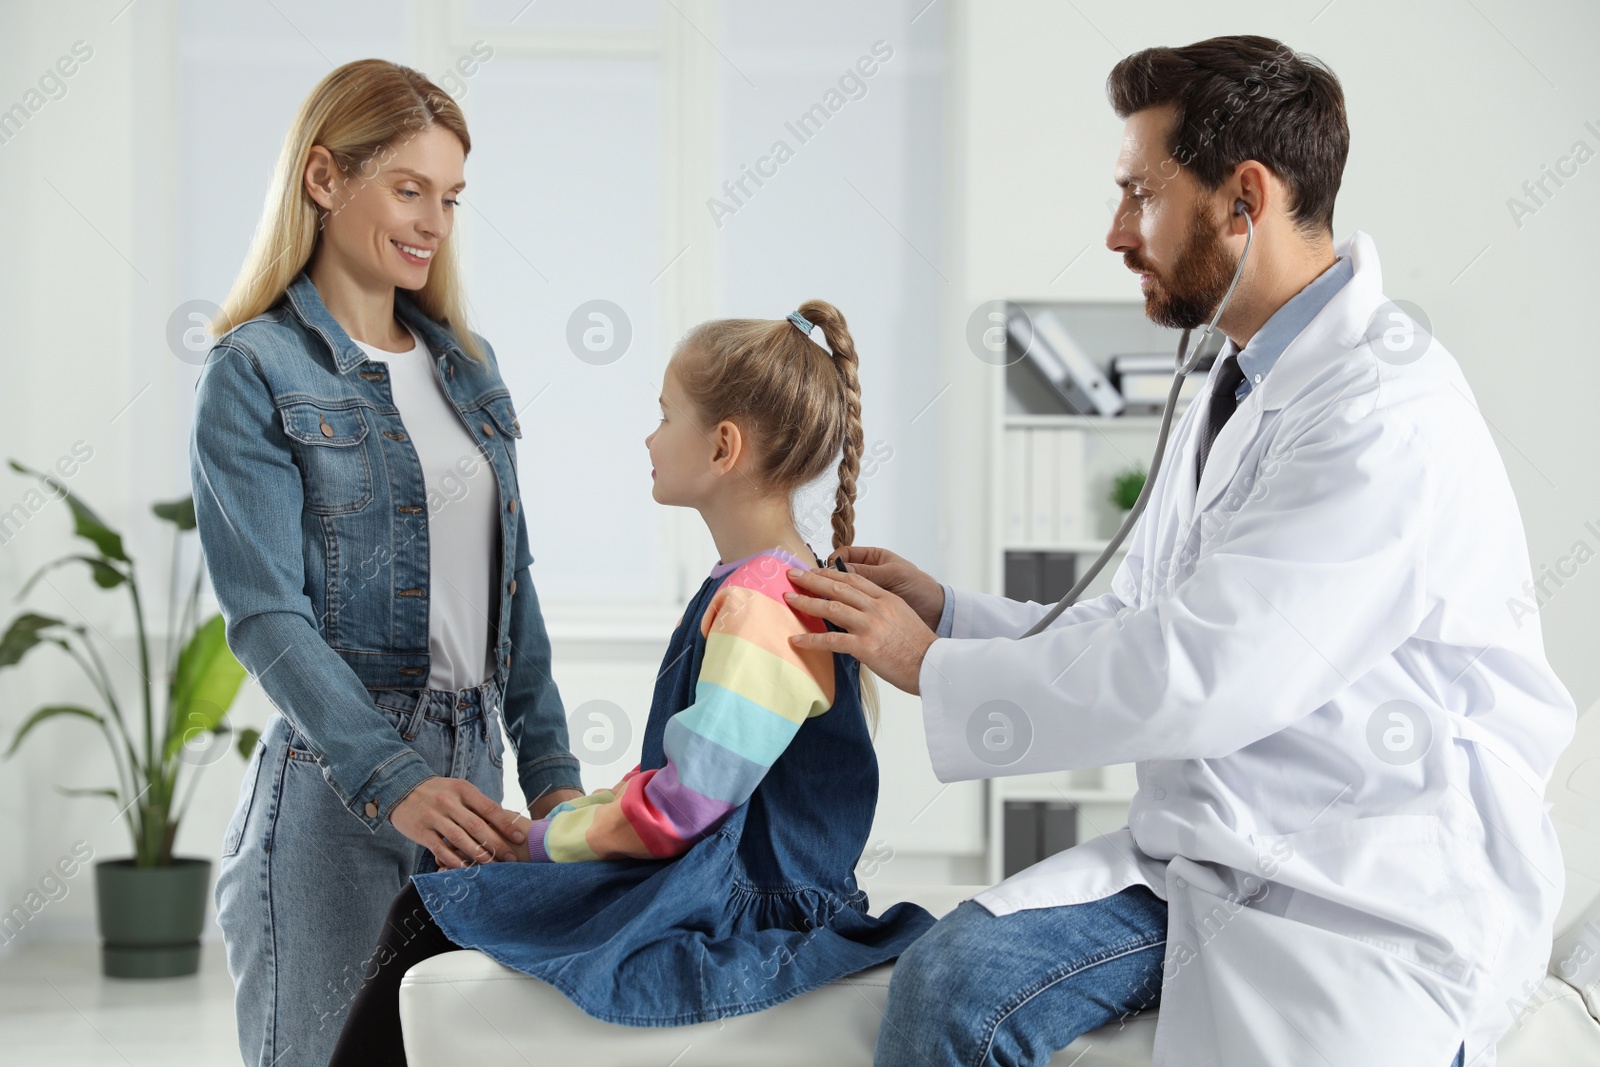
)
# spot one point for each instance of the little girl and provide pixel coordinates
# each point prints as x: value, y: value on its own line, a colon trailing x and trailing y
x: 717, y: 877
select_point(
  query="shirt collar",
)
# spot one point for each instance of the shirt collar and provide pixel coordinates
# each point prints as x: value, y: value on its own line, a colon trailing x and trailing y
x: 1285, y: 324
x: 307, y: 303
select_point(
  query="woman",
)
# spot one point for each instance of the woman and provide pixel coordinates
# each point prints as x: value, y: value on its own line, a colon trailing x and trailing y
x: 354, y: 468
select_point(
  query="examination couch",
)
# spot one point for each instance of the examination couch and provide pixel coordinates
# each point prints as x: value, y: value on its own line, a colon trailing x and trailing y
x: 463, y: 1007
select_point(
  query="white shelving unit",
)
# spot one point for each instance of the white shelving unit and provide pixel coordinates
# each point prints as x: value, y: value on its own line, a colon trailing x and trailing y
x: 1100, y: 795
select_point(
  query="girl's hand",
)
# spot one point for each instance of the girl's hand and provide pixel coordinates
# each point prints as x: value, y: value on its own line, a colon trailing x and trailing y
x: 541, y: 806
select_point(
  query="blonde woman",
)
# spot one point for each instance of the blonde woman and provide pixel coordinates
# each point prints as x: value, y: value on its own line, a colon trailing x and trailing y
x: 354, y: 467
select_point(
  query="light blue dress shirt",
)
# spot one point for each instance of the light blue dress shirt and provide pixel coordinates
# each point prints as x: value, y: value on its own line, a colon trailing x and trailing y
x: 1257, y: 357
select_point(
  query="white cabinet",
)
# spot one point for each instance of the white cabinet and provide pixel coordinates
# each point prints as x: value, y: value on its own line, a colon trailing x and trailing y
x: 1028, y: 199
x: 1048, y: 490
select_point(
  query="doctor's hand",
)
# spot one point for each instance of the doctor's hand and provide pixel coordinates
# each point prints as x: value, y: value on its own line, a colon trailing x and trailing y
x: 889, y: 572
x: 883, y: 631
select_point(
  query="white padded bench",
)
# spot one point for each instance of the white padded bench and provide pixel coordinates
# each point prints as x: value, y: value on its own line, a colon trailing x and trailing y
x: 463, y: 1007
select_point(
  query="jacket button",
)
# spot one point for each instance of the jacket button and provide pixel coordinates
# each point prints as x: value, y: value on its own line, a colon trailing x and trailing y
x: 487, y: 428
x: 327, y: 431
x: 372, y: 809
x: 512, y: 507
x: 516, y: 424
x: 513, y: 588
x: 508, y: 659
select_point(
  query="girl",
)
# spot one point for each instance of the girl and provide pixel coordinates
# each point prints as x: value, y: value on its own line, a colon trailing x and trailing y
x: 354, y: 471
x: 716, y: 878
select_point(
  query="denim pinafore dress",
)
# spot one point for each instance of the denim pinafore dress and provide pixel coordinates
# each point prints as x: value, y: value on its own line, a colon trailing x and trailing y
x: 763, y: 909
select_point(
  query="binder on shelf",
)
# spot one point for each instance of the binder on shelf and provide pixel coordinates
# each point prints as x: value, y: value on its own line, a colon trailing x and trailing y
x: 1043, y: 577
x: 1145, y: 363
x: 1144, y: 378
x: 1014, y: 485
x: 1042, y: 486
x: 1069, y: 495
x: 1144, y: 393
x: 1045, y: 479
x: 1045, y: 342
x: 1035, y: 830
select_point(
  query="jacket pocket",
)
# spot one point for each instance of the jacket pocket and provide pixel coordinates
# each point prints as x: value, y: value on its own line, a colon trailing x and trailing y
x: 247, y: 797
x: 504, y: 419
x: 504, y: 414
x: 1395, y: 881
x: 327, y: 442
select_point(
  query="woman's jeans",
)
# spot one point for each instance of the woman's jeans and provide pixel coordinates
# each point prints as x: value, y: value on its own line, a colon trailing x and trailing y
x: 980, y: 990
x: 304, y: 886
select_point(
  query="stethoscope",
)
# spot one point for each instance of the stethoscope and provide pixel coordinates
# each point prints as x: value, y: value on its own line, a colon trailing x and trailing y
x: 1185, y: 364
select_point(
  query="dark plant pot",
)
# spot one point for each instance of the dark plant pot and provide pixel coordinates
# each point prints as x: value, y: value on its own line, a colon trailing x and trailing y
x: 150, y: 917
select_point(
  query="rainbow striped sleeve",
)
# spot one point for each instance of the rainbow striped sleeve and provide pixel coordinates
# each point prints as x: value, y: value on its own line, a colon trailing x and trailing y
x: 753, y: 692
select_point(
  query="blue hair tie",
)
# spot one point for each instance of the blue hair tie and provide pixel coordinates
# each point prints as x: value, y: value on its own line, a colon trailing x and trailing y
x: 808, y: 327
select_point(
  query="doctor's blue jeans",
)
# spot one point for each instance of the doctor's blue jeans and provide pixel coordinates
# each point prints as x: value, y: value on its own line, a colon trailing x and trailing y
x: 304, y: 886
x: 982, y: 990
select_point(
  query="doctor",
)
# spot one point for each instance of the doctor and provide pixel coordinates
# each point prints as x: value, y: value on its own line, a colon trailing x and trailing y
x: 1338, y: 853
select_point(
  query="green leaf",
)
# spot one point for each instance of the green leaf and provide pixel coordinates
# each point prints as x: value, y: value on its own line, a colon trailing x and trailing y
x: 203, y: 687
x: 50, y: 711
x: 25, y: 631
x: 247, y: 741
x: 74, y: 792
x: 86, y: 523
x: 178, y: 512
x: 105, y: 575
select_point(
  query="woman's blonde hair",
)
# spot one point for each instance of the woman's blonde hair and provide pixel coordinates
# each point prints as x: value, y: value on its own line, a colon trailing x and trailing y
x: 803, y: 405
x: 360, y: 113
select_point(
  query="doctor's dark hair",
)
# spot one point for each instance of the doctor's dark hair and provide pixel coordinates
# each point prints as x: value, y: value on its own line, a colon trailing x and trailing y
x: 801, y: 406
x: 1246, y: 97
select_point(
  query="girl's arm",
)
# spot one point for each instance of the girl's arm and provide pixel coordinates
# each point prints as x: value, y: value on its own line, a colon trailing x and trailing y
x: 753, y: 692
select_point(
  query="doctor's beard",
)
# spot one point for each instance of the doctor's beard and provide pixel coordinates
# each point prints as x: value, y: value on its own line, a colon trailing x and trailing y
x: 1199, y: 277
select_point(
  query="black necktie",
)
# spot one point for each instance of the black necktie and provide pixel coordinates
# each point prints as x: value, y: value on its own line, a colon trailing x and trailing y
x: 1223, y: 403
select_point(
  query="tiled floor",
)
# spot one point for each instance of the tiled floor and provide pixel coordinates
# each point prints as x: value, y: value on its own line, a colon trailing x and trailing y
x: 57, y: 1010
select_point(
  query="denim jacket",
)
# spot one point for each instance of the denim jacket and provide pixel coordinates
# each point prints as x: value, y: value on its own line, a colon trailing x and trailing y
x: 312, y: 512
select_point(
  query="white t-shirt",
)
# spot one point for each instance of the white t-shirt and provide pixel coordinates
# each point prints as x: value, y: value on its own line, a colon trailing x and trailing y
x: 463, y: 516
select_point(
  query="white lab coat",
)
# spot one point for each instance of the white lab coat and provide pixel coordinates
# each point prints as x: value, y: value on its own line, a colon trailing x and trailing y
x: 1354, y: 542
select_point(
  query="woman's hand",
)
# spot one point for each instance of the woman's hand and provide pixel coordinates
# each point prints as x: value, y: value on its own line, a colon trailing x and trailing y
x: 891, y: 573
x: 522, y: 822
x: 541, y: 805
x: 452, y: 819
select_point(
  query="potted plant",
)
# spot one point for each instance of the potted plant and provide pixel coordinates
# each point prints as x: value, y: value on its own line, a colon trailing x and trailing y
x: 151, y: 906
x: 1125, y: 490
